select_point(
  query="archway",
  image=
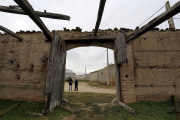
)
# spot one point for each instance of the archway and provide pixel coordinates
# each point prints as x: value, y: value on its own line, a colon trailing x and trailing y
x: 54, y: 85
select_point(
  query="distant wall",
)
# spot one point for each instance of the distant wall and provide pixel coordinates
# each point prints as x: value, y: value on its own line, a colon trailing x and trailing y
x: 68, y: 75
x: 93, y: 77
x: 82, y: 77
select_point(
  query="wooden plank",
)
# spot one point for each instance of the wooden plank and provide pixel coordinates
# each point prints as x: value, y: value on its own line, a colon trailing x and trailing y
x: 11, y: 33
x: 170, y: 20
x: 155, y: 22
x: 99, y: 16
x: 55, y: 77
x: 24, y: 4
x: 12, y: 9
x: 10, y: 108
x: 120, y: 49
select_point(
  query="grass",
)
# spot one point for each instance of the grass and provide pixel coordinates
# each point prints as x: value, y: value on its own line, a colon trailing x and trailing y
x: 81, y: 106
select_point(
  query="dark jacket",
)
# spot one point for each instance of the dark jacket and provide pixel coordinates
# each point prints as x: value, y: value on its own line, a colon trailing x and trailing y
x: 70, y: 82
x: 76, y: 82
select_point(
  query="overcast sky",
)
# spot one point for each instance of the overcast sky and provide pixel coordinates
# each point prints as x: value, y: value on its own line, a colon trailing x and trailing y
x: 83, y: 13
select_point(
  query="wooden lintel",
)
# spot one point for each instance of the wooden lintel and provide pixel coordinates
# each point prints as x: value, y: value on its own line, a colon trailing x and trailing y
x: 100, y: 13
x: 10, y: 32
x: 155, y: 22
x: 14, y: 9
x: 86, y: 38
x: 27, y: 8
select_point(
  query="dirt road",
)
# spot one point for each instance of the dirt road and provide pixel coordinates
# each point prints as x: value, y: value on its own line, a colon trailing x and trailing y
x: 84, y: 87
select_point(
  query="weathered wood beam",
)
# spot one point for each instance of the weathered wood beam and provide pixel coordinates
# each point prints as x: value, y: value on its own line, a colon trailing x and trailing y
x: 11, y: 33
x: 24, y: 4
x: 14, y: 9
x: 86, y: 38
x: 155, y: 22
x: 100, y: 12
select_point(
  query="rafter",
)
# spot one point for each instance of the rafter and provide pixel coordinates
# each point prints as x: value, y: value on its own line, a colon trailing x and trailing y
x: 11, y: 33
x: 27, y: 8
x: 155, y: 22
x: 14, y: 9
x: 100, y: 13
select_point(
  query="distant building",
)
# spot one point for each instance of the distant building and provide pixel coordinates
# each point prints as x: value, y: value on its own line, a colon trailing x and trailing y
x: 70, y: 73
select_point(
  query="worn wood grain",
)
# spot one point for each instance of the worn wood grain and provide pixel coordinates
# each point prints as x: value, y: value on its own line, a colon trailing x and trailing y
x: 155, y: 22
x: 12, y: 9
x: 11, y: 33
x: 27, y: 8
x: 120, y: 49
x: 56, y: 69
x: 99, y: 16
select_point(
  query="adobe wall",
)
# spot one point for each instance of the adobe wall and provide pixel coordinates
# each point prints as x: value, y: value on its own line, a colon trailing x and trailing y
x: 151, y: 73
x: 157, y: 65
x: 23, y: 67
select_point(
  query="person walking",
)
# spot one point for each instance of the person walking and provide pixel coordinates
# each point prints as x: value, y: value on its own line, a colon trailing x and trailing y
x: 70, y: 84
x: 76, y: 85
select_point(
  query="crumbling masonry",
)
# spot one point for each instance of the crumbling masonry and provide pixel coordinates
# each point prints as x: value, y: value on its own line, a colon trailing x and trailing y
x: 152, y: 71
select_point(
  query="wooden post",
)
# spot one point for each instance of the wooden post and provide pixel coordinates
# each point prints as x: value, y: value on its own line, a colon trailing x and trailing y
x: 56, y: 71
x: 155, y: 22
x: 119, y: 58
x: 170, y: 21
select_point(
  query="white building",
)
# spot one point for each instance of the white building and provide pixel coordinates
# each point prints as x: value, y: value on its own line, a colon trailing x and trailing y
x: 70, y: 73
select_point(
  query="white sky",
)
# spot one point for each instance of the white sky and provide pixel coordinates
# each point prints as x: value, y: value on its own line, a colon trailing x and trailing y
x: 83, y: 13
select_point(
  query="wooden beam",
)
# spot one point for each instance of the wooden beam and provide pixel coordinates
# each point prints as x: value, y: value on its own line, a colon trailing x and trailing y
x: 87, y: 38
x: 10, y: 32
x: 170, y: 21
x: 100, y: 12
x: 13, y: 9
x: 24, y: 4
x: 155, y: 22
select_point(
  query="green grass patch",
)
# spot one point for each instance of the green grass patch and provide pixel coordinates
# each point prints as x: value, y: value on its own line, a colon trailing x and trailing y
x: 81, y: 106
x: 88, y: 98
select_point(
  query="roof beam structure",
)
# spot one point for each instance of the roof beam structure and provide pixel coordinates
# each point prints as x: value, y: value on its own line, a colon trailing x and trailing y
x: 100, y: 13
x: 10, y: 32
x: 24, y: 4
x: 14, y: 9
x: 155, y: 22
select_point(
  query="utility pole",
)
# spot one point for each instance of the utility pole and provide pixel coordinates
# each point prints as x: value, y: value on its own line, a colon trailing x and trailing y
x: 107, y: 68
x: 85, y: 72
x: 170, y: 21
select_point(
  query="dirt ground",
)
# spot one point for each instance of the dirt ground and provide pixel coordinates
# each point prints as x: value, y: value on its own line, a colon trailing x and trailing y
x: 84, y: 87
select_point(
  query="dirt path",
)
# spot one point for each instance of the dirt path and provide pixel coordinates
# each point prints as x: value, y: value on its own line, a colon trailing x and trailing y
x: 84, y: 87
